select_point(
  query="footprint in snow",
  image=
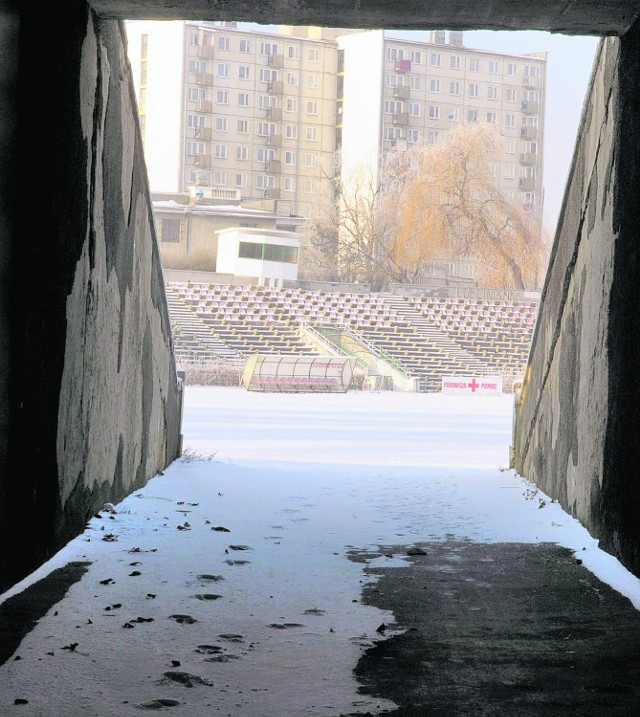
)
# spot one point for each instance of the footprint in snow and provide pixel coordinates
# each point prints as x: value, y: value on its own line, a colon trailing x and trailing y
x: 285, y: 625
x: 183, y: 619
x: 207, y: 597
x: 236, y: 562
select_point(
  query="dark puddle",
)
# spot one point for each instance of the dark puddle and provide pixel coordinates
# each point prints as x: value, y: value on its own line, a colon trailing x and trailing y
x: 501, y: 628
x: 20, y: 614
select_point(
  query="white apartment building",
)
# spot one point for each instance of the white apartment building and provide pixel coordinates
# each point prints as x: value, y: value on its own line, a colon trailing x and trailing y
x: 395, y: 93
x: 229, y: 109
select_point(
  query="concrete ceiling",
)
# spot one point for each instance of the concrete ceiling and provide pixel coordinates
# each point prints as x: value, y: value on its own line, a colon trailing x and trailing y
x: 596, y: 17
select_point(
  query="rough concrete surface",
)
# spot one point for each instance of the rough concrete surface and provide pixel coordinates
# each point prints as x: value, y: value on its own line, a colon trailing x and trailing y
x: 95, y: 400
x: 577, y: 426
x: 605, y: 17
x: 502, y: 629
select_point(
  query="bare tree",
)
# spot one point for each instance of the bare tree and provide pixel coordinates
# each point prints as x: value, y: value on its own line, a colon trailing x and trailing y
x: 425, y: 205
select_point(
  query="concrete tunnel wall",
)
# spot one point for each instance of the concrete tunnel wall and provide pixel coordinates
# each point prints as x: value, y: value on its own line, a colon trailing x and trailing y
x: 576, y: 432
x: 94, y: 404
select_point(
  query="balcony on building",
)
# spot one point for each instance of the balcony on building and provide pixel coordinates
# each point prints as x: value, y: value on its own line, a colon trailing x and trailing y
x: 204, y: 78
x: 204, y: 106
x: 276, y: 87
x: 272, y: 193
x: 530, y: 81
x: 401, y: 118
x: 205, y: 51
x: 527, y: 184
x: 528, y: 159
x: 274, y: 113
x: 198, y: 160
x: 273, y: 140
x: 528, y: 132
x: 402, y: 92
x: 201, y: 132
x: 530, y: 108
x: 403, y: 66
x: 276, y: 60
x: 273, y: 166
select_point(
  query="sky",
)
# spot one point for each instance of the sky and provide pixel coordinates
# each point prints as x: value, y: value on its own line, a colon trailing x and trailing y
x: 570, y: 60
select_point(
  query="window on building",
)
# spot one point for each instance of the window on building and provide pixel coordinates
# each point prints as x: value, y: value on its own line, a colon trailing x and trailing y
x: 265, y: 129
x: 414, y: 82
x: 196, y: 94
x: 511, y: 146
x: 268, y: 75
x: 454, y: 114
x: 454, y: 88
x: 293, y: 52
x: 434, y: 112
x: 414, y: 109
x: 265, y: 102
x: 512, y: 69
x: 392, y: 133
x: 434, y: 85
x: 242, y: 126
x: 413, y: 136
x: 198, y: 66
x: 220, y: 151
x: 395, y: 53
x: 416, y: 57
x: 310, y: 159
x: 392, y: 80
x: 392, y: 107
x: 472, y: 116
x: 314, y: 54
x: 493, y: 67
x: 312, y: 134
x: 291, y: 131
x: 492, y: 117
x: 195, y: 121
x: 432, y: 137
x: 244, y: 72
x: 222, y: 70
x: 531, y: 71
x: 492, y: 92
x: 289, y: 184
x: 293, y: 79
x: 435, y: 59
x: 194, y: 39
x: 219, y: 178
x: 511, y: 94
x: 309, y: 186
x: 245, y: 46
x: 195, y: 149
x: 454, y: 62
x: 312, y: 82
x: 222, y: 97
x: 291, y: 104
x: 312, y: 107
x: 474, y: 90
x: 243, y: 99
x: 265, y: 181
x: 241, y: 179
x: 223, y: 43
x: 509, y: 120
x: 242, y: 153
x: 290, y: 158
x: 170, y: 230
x: 221, y: 124
x: 265, y: 154
x: 144, y: 46
x: 268, y: 48
x: 474, y: 64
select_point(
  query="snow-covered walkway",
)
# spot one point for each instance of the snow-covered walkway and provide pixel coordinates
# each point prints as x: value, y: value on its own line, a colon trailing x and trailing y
x: 266, y: 620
